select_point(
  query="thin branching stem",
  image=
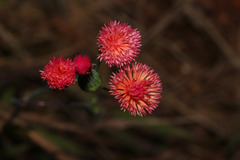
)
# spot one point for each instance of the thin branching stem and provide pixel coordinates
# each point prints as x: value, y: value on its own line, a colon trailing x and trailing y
x: 105, y: 88
x: 97, y: 65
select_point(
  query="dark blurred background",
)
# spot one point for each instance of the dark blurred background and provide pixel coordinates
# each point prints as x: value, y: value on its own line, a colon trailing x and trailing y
x: 193, y: 45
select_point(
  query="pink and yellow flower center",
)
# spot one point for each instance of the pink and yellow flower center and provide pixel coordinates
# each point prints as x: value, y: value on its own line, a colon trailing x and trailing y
x: 137, y: 90
x: 117, y: 44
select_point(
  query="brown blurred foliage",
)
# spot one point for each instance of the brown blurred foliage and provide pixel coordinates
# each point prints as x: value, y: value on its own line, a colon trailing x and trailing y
x: 194, y: 45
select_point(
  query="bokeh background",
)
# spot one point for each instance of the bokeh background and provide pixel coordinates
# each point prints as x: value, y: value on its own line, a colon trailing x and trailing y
x: 194, y: 46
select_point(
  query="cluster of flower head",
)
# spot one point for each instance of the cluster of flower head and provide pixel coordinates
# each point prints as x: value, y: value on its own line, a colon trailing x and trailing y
x: 135, y: 85
x: 61, y: 72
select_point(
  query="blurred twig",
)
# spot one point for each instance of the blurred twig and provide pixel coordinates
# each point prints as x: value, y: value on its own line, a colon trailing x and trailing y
x: 15, y: 65
x: 26, y: 118
x: 50, y: 147
x: 200, y: 20
x: 14, y: 44
x: 11, y: 117
x: 58, y: 104
x: 163, y: 22
x: 195, y: 116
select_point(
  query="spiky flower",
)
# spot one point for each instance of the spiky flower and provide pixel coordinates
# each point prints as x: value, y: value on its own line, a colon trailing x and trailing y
x: 83, y: 64
x: 59, y: 73
x: 118, y: 43
x: 137, y: 88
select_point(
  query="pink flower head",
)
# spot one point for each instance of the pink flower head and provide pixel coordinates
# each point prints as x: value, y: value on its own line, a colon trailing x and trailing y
x: 137, y: 88
x: 118, y: 43
x: 83, y: 64
x: 59, y: 73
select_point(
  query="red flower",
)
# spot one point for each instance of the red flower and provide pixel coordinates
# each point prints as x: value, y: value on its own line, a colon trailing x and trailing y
x: 59, y: 73
x: 138, y: 89
x: 83, y: 64
x: 118, y: 43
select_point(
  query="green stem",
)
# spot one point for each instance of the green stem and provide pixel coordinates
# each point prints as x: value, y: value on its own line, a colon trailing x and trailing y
x: 37, y: 92
x: 105, y: 88
x: 97, y: 65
